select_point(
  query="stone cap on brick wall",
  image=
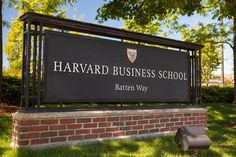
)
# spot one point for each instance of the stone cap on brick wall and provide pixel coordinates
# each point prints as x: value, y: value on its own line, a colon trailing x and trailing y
x: 106, y: 112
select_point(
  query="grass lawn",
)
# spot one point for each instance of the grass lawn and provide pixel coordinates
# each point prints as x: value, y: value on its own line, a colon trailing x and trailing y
x: 222, y: 132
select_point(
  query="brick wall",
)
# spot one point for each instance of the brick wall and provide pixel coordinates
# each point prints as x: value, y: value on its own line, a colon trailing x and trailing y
x: 65, y: 128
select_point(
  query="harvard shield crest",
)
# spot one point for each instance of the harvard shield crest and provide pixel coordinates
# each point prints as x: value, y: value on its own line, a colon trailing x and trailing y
x: 132, y: 54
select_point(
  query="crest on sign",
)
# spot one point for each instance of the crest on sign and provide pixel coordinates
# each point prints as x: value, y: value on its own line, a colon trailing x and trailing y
x: 132, y: 54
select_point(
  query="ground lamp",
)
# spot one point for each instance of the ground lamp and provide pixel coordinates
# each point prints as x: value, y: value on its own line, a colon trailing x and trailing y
x: 192, y: 138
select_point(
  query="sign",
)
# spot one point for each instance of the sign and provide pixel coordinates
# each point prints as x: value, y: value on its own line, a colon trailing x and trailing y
x: 89, y: 69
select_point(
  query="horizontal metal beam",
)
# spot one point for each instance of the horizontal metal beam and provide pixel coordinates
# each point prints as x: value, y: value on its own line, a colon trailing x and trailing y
x: 72, y: 25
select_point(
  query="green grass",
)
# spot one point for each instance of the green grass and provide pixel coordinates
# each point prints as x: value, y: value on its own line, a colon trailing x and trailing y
x: 220, y: 118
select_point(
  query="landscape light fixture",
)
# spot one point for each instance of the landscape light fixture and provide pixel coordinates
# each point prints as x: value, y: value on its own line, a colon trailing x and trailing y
x: 192, y: 138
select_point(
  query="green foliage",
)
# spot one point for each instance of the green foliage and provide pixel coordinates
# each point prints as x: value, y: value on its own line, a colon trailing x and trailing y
x: 208, y: 36
x: 217, y: 94
x: 11, y: 90
x: 143, y: 12
x: 13, y: 48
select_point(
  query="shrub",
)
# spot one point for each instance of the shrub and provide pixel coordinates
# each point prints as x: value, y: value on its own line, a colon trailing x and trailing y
x: 217, y: 94
x: 11, y: 89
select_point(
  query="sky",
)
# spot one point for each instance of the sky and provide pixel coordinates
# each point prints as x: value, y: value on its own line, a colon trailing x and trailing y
x: 86, y: 10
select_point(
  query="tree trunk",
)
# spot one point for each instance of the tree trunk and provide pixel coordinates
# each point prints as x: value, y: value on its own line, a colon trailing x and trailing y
x: 234, y: 54
x: 1, y: 51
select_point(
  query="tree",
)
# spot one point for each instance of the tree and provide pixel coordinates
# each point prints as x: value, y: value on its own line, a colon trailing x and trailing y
x: 1, y: 53
x: 208, y: 36
x: 14, y: 46
x: 3, y: 23
x: 145, y: 11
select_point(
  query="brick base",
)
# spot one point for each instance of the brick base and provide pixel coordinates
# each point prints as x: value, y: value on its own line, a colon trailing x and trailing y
x: 68, y: 128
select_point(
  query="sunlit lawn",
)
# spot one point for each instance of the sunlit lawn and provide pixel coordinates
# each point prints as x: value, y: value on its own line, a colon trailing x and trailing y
x: 221, y: 118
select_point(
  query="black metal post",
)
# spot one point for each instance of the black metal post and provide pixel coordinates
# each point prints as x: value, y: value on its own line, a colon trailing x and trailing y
x: 34, y: 64
x: 39, y: 63
x: 28, y: 56
x: 23, y: 68
x: 200, y: 76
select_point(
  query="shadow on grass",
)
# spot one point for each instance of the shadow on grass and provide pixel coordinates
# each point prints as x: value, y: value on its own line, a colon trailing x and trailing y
x: 5, y: 125
x: 108, y: 148
x: 5, y: 133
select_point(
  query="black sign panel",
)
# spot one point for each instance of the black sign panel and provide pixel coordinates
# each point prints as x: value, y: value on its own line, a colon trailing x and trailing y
x: 89, y: 69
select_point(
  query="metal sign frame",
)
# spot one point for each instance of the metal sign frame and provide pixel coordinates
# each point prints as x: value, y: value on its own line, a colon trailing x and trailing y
x: 33, y: 37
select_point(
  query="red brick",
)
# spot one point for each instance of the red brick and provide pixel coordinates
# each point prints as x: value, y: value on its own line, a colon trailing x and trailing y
x: 187, y: 114
x: 90, y: 125
x: 154, y: 121
x: 100, y: 119
x: 113, y: 118
x: 39, y: 128
x: 178, y: 115
x: 125, y: 118
x: 29, y: 122
x: 39, y: 141
x: 83, y: 131
x: 49, y: 121
x: 125, y: 128
x: 91, y: 136
x: 58, y: 139
x: 195, y: 114
x: 74, y: 126
x: 169, y: 115
x: 98, y: 131
x: 201, y: 118
x: 83, y: 120
x: 143, y: 132
x: 174, y: 128
x: 118, y: 124
x: 76, y: 138
x: 195, y: 122
x: 66, y: 132
x: 49, y: 134
x: 22, y: 129
x: 67, y: 121
x: 174, y: 119
x: 164, y: 129
x: 202, y: 114
x: 111, y: 129
x: 105, y: 135
x: 188, y: 123
x: 170, y: 124
x: 120, y: 133
x: 159, y: 125
x: 137, y: 127
x: 154, y: 130
x: 131, y: 123
x: 149, y: 126
x: 28, y: 136
x: 183, y: 119
x: 159, y: 116
x: 149, y: 117
x: 131, y: 132
x: 178, y: 123
x: 192, y: 118
x: 23, y: 142
x: 137, y: 117
x: 57, y: 127
x: 104, y: 124
x: 164, y: 120
x: 143, y: 122
x: 203, y: 122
